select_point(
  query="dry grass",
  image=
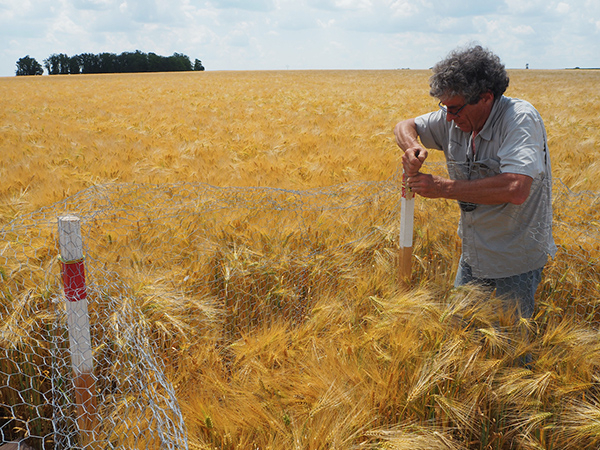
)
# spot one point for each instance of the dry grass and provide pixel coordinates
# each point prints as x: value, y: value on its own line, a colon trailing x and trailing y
x: 368, y: 366
x: 284, y: 129
x: 291, y: 129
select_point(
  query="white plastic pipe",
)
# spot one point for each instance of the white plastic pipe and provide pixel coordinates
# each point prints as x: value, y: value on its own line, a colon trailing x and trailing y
x: 407, y: 218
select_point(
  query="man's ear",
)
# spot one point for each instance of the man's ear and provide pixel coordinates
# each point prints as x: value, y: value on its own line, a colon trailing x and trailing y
x: 488, y: 97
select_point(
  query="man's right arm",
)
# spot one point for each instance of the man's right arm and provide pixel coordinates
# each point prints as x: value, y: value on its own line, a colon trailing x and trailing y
x: 502, y: 188
x: 407, y: 139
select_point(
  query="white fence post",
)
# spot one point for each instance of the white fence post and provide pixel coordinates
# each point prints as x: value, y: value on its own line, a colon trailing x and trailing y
x: 73, y: 276
x: 407, y: 218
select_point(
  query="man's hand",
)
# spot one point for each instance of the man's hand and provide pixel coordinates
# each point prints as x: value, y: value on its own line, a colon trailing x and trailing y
x: 413, y: 159
x: 427, y: 185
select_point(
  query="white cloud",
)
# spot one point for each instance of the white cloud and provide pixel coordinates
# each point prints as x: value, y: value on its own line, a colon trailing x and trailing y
x: 254, y: 5
x: 326, y: 24
x: 95, y: 5
x: 404, y: 8
x: 240, y: 37
x: 353, y: 4
x: 523, y: 30
x: 65, y: 25
x: 563, y: 8
x: 523, y: 8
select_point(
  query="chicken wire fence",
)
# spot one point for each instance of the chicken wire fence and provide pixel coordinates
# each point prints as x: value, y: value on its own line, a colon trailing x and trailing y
x: 212, y: 264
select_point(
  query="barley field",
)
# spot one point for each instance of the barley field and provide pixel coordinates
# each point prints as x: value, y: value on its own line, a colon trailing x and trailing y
x: 276, y: 314
x: 279, y: 129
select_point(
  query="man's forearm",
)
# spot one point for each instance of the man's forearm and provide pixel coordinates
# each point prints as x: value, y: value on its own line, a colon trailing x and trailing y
x: 406, y: 134
x: 407, y: 139
x: 503, y: 188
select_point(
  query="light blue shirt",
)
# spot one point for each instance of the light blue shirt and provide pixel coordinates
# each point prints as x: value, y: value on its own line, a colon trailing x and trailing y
x: 500, y: 240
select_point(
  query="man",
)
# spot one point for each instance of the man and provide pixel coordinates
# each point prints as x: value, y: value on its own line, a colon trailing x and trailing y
x: 499, y: 166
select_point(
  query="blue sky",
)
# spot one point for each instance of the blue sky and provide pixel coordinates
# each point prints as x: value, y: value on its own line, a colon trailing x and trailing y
x: 305, y: 34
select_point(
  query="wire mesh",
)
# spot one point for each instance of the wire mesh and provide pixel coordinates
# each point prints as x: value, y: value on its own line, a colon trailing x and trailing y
x: 168, y: 266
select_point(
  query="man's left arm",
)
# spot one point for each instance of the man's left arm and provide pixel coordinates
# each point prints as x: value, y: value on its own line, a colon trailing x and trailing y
x: 503, y: 188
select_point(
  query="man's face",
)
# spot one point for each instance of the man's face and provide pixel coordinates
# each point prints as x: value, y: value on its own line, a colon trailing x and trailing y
x: 468, y: 117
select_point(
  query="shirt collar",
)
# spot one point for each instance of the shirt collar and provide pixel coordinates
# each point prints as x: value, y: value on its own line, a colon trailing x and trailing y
x: 486, y: 131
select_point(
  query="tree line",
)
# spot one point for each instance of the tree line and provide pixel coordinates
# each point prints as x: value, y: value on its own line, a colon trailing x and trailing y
x: 126, y: 62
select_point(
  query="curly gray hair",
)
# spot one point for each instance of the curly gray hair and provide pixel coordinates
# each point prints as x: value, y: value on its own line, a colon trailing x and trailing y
x: 469, y: 73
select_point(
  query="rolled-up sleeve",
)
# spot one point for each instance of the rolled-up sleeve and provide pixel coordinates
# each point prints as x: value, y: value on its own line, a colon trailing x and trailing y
x: 523, y: 148
x: 432, y: 130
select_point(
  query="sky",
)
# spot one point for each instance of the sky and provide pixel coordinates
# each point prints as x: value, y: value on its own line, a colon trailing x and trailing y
x: 305, y: 34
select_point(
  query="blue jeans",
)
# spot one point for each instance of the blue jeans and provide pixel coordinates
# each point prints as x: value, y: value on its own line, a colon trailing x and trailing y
x: 518, y: 288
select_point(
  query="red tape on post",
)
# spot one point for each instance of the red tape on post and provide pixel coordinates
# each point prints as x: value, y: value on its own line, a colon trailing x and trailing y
x: 73, y: 276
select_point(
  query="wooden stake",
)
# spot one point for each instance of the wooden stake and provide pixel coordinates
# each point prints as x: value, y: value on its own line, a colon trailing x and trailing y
x: 78, y: 321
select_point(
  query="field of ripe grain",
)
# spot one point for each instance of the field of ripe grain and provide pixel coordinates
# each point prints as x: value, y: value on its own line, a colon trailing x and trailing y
x: 279, y: 129
x: 285, y: 129
x: 296, y: 335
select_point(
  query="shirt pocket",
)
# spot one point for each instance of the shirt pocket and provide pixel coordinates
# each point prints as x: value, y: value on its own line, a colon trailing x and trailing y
x: 484, y: 168
x: 457, y: 161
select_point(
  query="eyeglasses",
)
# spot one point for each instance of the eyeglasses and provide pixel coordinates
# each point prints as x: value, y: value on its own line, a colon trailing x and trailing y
x: 448, y: 111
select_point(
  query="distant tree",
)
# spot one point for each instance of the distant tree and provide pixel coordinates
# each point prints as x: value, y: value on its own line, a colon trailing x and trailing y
x: 157, y: 63
x: 64, y: 63
x: 57, y: 64
x: 29, y: 66
x: 89, y: 62
x: 198, y: 65
x: 179, y: 62
x: 126, y: 62
x: 108, y: 63
x: 52, y: 65
x: 133, y: 62
x: 74, y: 65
